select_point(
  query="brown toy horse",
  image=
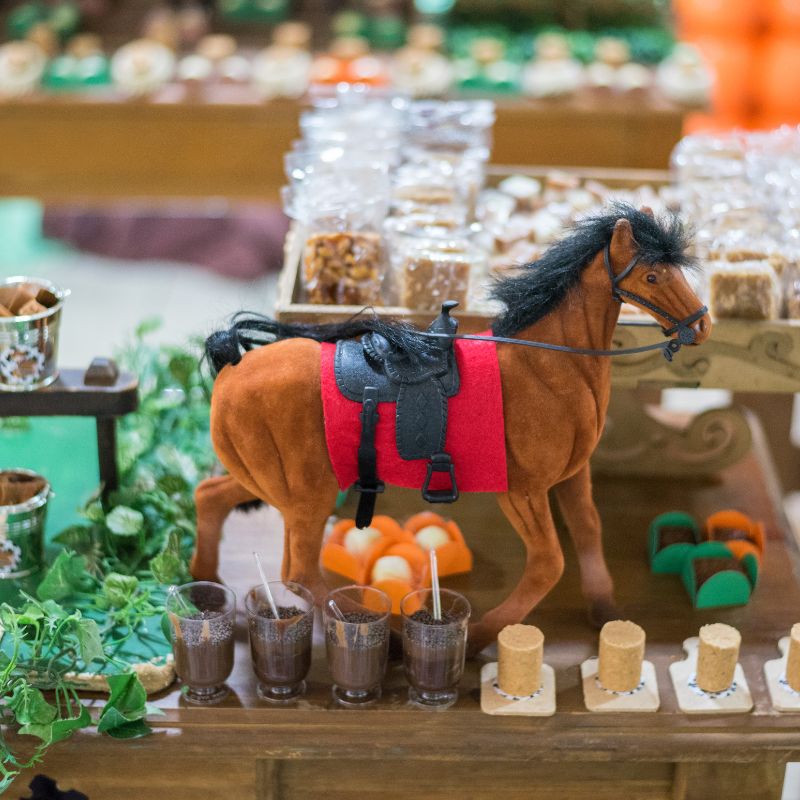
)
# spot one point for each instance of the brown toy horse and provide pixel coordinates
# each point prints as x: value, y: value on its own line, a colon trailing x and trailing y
x: 267, y: 419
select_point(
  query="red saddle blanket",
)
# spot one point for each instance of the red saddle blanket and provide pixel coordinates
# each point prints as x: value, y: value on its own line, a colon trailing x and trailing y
x: 475, y: 429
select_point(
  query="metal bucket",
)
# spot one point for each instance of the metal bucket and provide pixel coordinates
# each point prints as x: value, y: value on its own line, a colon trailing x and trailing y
x: 29, y: 344
x: 22, y: 532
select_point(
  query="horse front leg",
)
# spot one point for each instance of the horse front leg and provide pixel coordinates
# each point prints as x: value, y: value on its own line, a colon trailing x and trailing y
x: 530, y: 515
x: 214, y: 499
x: 577, y: 506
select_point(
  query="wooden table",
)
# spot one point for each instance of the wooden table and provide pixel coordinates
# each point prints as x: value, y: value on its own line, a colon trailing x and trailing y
x: 67, y: 149
x: 244, y: 749
x: 70, y: 396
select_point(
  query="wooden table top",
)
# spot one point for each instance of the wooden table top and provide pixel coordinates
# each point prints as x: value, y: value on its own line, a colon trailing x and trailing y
x: 244, y: 728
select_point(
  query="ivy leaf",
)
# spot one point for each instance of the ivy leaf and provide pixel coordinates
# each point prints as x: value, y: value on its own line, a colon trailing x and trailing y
x: 130, y: 730
x: 147, y: 326
x: 88, y: 635
x: 167, y: 567
x: 127, y: 704
x: 183, y: 367
x: 125, y: 521
x: 66, y: 576
x: 30, y: 707
x: 79, y: 538
x: 62, y: 728
x: 93, y: 511
x: 119, y: 589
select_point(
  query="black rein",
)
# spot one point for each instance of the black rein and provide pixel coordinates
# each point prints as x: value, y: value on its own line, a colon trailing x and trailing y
x: 680, y: 326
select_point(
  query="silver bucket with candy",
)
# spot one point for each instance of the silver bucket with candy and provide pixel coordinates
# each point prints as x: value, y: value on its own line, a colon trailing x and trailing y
x: 23, y: 508
x: 30, y: 314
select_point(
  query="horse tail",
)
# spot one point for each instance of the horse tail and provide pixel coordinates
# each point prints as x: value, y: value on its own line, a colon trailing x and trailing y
x: 249, y: 331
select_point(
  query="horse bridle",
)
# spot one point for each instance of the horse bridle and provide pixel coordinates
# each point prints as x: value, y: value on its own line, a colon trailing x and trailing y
x: 685, y: 333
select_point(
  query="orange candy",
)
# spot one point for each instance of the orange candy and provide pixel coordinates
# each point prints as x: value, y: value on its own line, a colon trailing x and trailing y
x: 453, y: 556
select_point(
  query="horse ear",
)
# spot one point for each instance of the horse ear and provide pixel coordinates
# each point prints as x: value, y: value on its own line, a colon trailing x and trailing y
x: 623, y: 246
x: 647, y: 210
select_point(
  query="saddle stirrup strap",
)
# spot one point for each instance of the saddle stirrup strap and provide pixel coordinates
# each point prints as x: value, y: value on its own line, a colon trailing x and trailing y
x: 368, y: 485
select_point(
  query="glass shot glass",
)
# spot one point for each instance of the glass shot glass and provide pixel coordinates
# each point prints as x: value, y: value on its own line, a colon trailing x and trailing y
x: 281, y: 649
x: 434, y: 650
x: 357, y: 642
x: 202, y: 617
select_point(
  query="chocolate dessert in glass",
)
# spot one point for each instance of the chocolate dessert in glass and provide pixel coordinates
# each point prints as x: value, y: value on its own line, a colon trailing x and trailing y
x: 202, y: 616
x: 281, y: 648
x: 434, y: 649
x: 357, y: 642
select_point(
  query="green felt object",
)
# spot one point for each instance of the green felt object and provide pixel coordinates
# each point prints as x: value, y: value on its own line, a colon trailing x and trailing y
x: 722, y: 589
x: 671, y: 559
x: 750, y: 564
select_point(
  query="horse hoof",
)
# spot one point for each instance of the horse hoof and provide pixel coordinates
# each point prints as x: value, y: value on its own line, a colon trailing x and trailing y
x: 602, y: 611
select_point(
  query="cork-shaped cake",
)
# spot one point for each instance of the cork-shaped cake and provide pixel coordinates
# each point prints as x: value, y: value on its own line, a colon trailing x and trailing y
x: 519, y: 660
x: 717, y: 656
x: 793, y: 658
x: 621, y: 655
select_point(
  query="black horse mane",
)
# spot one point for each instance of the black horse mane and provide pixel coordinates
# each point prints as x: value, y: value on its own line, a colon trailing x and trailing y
x: 528, y: 296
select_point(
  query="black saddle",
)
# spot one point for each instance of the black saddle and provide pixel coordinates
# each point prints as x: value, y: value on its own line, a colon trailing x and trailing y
x: 371, y: 371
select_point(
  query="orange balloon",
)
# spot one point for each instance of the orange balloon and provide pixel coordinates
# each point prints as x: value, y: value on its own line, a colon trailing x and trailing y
x: 777, y: 76
x: 782, y: 16
x: 732, y: 61
x: 717, y: 17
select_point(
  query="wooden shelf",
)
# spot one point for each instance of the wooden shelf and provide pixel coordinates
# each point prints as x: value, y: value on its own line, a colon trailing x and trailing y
x: 97, y: 148
x: 246, y: 749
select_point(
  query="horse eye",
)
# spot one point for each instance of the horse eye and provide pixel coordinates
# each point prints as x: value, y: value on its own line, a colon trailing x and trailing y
x: 651, y: 277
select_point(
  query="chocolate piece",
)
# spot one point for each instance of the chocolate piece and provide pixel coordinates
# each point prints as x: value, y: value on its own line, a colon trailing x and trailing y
x: 46, y: 298
x: 675, y: 534
x: 101, y: 372
x: 705, y: 568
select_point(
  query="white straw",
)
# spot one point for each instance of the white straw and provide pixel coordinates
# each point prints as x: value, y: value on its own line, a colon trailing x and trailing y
x: 337, y: 610
x: 437, y: 597
x: 270, y: 598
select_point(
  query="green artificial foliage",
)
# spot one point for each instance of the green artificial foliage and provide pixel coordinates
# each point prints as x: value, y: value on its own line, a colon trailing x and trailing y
x: 43, y: 643
x: 99, y: 606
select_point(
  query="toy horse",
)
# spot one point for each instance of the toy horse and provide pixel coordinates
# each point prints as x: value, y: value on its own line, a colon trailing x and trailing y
x: 269, y: 429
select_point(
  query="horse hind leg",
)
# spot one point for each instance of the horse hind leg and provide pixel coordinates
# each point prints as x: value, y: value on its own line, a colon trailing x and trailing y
x: 214, y: 498
x: 574, y: 497
x: 304, y: 522
x: 530, y: 515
